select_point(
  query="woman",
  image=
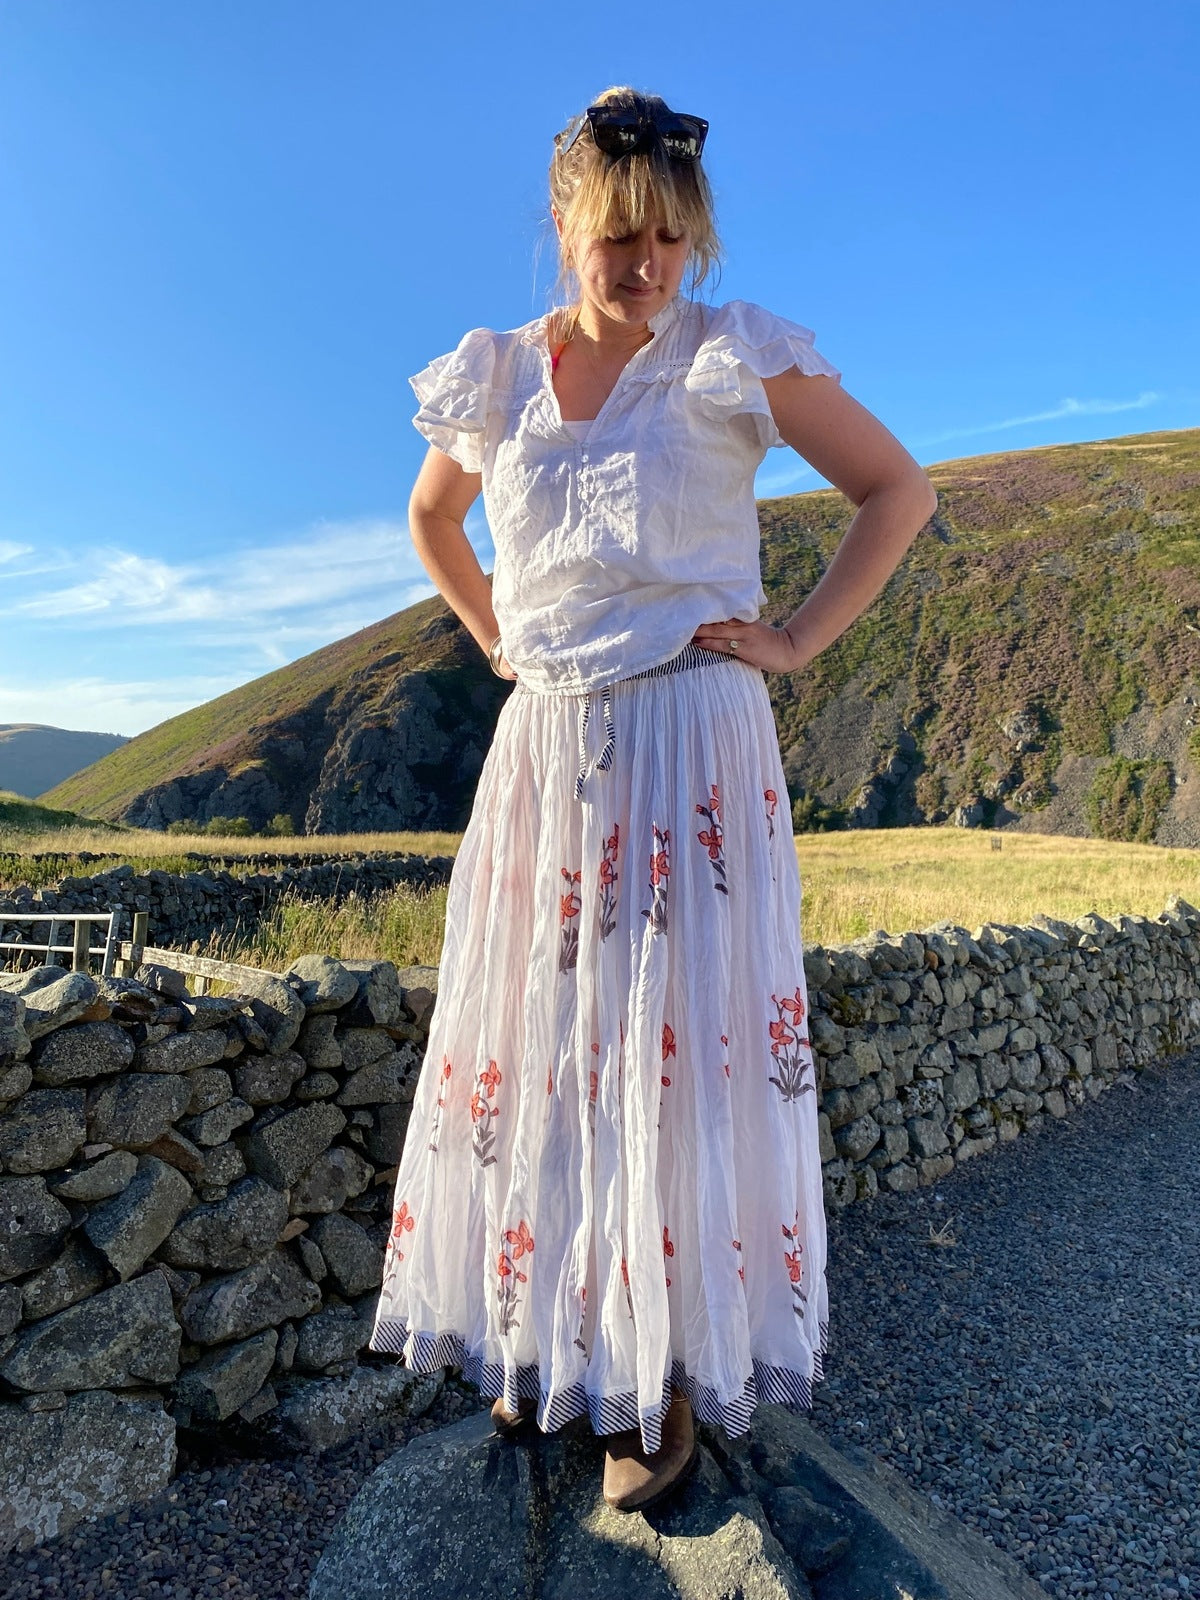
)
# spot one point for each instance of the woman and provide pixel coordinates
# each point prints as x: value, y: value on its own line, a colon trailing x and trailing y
x: 609, y: 1201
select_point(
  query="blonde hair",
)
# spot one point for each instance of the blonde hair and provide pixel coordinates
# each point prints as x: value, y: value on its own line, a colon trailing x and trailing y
x: 597, y: 197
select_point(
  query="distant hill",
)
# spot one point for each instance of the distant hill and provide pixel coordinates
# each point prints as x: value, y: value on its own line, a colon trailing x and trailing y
x: 1033, y: 664
x: 34, y: 758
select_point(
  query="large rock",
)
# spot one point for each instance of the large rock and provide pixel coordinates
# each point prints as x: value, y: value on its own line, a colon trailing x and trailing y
x: 319, y: 1414
x: 55, y: 1004
x: 43, y: 1130
x: 89, y: 1050
x: 14, y: 1041
x: 323, y: 984
x: 246, y: 1302
x: 232, y: 1233
x: 128, y: 1229
x: 99, y: 1180
x: 224, y: 1379
x: 278, y: 1010
x: 281, y: 1150
x: 354, y: 1263
x: 74, y: 1275
x: 380, y: 998
x: 96, y: 1455
x: 778, y: 1516
x: 136, y: 1109
x: 335, y: 1177
x: 32, y: 1225
x: 392, y: 1078
x: 122, y: 1338
x: 266, y: 1080
x: 182, y: 1052
x: 336, y: 1334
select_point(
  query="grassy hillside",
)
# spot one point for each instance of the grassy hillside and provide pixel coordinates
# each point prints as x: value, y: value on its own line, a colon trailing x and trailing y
x: 1035, y: 660
x: 227, y: 731
x: 33, y: 756
x: 30, y: 817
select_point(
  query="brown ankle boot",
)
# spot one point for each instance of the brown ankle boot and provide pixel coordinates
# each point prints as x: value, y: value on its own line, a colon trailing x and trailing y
x: 519, y: 1424
x: 634, y: 1480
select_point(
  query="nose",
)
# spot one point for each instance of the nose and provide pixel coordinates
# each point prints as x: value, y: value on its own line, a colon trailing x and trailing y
x: 646, y: 255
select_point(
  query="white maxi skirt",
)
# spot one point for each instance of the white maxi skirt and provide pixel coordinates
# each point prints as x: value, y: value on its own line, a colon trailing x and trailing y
x: 611, y: 1182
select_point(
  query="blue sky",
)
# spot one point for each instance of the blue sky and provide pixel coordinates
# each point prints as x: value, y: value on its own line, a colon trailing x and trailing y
x: 232, y: 228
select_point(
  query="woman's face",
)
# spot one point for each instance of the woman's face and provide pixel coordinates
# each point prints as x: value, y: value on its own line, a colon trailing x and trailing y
x: 629, y: 280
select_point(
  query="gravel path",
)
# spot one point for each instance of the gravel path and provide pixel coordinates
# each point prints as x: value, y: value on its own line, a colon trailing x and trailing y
x: 1035, y: 1373
x: 1038, y: 1376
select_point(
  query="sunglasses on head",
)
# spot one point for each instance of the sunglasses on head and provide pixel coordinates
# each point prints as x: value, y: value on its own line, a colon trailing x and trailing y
x: 621, y: 130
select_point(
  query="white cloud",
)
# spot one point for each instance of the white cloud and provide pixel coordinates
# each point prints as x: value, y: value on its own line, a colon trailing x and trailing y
x: 367, y: 561
x: 793, y: 476
x: 95, y: 705
x: 10, y: 550
x: 1065, y: 408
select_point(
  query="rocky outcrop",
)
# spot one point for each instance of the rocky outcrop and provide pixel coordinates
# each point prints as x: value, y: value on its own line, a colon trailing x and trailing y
x: 776, y: 1515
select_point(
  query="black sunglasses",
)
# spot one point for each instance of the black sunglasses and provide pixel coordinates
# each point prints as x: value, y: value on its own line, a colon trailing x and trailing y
x: 620, y: 131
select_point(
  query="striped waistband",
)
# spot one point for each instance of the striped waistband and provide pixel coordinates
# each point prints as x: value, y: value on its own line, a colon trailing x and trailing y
x: 692, y: 655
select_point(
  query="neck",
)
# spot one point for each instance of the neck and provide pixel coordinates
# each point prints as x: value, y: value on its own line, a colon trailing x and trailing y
x: 615, y: 337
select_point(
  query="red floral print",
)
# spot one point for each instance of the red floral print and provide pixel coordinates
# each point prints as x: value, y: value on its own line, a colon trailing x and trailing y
x: 568, y: 910
x: 772, y: 800
x: 518, y: 1243
x: 608, y: 883
x: 668, y: 1249
x: 712, y: 837
x: 795, y: 1267
x: 435, y: 1132
x: 737, y: 1245
x: 668, y: 1048
x: 725, y: 1042
x: 484, y: 1114
x: 660, y: 870
x: 404, y: 1223
x: 791, y: 1049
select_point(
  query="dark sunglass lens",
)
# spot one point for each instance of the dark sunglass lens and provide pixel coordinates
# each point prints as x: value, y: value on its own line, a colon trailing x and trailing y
x: 615, y: 141
x: 681, y: 146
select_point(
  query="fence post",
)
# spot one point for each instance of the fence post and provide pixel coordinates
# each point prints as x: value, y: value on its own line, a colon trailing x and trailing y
x: 81, y: 944
x: 141, y: 932
x: 106, y: 964
x: 51, y: 941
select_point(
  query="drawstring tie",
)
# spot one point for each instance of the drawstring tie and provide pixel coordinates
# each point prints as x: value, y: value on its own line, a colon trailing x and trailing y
x: 604, y: 761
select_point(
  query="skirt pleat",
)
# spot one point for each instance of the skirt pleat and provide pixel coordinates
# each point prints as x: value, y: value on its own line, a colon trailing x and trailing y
x: 611, y: 1181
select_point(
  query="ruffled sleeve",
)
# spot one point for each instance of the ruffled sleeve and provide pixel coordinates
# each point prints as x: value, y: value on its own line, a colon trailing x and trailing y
x: 456, y: 393
x: 744, y: 344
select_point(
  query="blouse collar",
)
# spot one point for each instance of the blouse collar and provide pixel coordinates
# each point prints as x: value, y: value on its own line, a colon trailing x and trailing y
x: 658, y: 323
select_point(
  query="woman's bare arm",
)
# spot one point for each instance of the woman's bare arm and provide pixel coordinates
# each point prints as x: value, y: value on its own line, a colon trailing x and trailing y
x: 437, y: 509
x: 855, y: 452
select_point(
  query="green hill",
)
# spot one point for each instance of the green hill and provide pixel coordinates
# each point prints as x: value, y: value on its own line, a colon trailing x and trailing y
x: 1033, y: 663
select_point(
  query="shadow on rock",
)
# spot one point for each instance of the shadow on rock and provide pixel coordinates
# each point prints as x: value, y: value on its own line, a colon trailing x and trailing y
x: 775, y: 1515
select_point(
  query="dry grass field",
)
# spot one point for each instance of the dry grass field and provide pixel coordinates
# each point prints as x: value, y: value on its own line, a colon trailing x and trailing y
x: 854, y: 882
x: 894, y: 879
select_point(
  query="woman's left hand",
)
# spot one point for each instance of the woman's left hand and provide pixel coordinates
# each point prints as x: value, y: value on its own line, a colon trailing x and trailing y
x: 759, y: 643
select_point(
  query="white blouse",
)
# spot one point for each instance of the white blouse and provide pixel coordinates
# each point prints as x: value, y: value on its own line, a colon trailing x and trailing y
x: 617, y: 538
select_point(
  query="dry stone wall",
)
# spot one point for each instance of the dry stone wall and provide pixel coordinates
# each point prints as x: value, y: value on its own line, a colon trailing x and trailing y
x: 194, y: 906
x: 195, y: 1192
x: 195, y: 1198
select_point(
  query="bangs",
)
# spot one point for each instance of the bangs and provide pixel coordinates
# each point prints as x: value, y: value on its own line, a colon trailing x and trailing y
x: 621, y: 197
